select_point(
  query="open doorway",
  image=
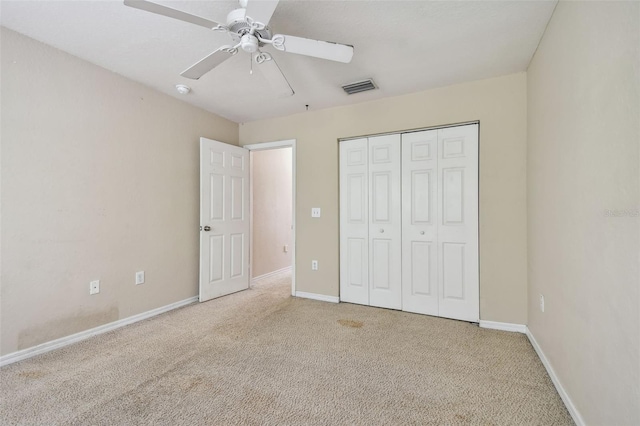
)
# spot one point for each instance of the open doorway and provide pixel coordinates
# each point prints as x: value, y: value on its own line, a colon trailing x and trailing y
x: 272, y: 177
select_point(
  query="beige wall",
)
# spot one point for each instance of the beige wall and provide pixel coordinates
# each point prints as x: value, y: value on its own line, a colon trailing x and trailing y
x: 99, y: 180
x: 583, y: 151
x: 271, y: 210
x: 499, y: 104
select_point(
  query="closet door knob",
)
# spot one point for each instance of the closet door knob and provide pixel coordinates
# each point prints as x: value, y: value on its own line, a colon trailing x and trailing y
x: 381, y: 231
x: 421, y: 232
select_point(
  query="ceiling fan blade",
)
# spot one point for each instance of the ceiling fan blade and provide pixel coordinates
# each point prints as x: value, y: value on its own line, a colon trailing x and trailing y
x: 271, y: 71
x: 261, y: 10
x: 209, y: 62
x: 316, y: 48
x: 171, y: 13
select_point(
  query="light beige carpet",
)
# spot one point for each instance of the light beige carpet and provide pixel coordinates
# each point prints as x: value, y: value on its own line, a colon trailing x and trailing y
x: 263, y: 357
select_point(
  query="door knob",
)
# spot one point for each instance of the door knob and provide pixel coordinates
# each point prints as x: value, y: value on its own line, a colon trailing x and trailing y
x: 421, y: 232
x: 207, y: 228
x: 381, y: 231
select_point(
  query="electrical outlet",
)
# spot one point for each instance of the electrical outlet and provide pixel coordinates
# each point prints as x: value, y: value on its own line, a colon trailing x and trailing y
x: 314, y: 265
x: 541, y: 303
x: 139, y: 277
x: 315, y: 212
x: 94, y: 287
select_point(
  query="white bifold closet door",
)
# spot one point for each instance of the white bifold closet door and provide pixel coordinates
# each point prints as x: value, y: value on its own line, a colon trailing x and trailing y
x: 440, y: 222
x: 458, y: 261
x: 354, y: 221
x: 385, y: 222
x: 409, y: 222
x: 370, y: 222
x: 420, y: 222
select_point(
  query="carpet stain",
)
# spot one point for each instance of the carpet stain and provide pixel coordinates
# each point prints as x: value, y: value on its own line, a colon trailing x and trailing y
x: 194, y: 383
x: 350, y: 323
x: 34, y: 374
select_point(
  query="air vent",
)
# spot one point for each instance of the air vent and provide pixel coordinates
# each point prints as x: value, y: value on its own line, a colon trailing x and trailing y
x: 359, y: 86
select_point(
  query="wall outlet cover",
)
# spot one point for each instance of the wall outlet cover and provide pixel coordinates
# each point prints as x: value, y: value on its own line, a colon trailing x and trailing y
x: 139, y: 277
x: 94, y: 287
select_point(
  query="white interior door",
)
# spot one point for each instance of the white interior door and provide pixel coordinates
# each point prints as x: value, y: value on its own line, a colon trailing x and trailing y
x: 354, y: 222
x: 458, y: 274
x: 224, y: 219
x: 419, y: 222
x: 385, y: 248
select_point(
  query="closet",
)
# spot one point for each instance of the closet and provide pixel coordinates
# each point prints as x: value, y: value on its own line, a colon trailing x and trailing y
x: 409, y: 221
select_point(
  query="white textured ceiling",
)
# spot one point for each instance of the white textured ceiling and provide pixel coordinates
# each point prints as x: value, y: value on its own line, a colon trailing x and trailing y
x: 405, y: 46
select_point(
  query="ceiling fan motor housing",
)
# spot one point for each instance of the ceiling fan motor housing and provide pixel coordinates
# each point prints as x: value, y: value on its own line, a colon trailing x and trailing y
x: 238, y: 26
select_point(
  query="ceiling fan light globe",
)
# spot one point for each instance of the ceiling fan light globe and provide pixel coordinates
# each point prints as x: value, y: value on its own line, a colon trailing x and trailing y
x: 249, y: 43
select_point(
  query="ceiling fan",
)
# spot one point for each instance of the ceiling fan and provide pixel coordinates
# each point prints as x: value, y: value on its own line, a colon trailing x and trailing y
x: 249, y: 29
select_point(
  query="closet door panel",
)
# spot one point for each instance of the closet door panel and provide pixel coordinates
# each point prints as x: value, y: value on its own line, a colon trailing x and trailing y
x: 419, y: 222
x: 385, y: 248
x: 354, y: 222
x: 458, y: 276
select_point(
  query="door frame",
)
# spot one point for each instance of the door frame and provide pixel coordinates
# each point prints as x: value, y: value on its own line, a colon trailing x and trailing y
x: 263, y: 146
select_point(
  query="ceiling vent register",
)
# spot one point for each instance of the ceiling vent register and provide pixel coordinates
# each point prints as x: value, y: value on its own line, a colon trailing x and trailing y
x: 359, y: 86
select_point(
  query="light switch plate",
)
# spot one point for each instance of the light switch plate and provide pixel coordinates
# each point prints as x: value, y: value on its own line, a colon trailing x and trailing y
x: 139, y: 277
x: 94, y: 287
x: 315, y: 212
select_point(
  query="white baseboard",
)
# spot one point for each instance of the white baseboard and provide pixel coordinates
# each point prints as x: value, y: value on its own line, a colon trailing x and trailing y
x: 577, y: 418
x: 504, y: 326
x: 68, y: 340
x: 270, y: 274
x: 315, y: 296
